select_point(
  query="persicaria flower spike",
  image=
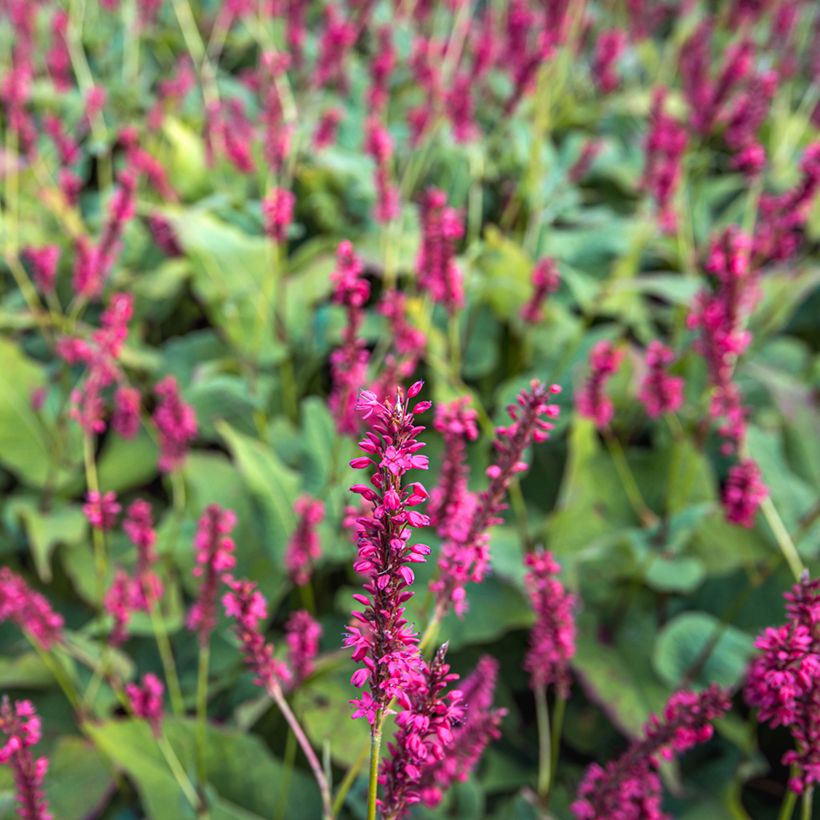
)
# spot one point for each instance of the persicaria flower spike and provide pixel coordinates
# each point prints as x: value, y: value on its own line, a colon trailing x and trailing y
x: 277, y: 209
x: 744, y: 493
x: 247, y: 606
x: 660, y: 392
x: 20, y: 730
x: 425, y: 731
x: 591, y: 401
x: 28, y: 609
x: 545, y: 280
x: 783, y: 682
x: 630, y: 786
x: 380, y: 637
x: 214, y: 559
x: 478, y: 726
x: 302, y: 634
x: 465, y: 559
x: 552, y: 640
x: 146, y: 700
x: 304, y: 548
x: 176, y: 425
x: 102, y: 509
x: 139, y: 527
x: 451, y: 503
x: 437, y: 270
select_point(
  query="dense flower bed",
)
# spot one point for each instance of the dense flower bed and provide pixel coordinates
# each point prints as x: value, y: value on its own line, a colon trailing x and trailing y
x: 409, y: 409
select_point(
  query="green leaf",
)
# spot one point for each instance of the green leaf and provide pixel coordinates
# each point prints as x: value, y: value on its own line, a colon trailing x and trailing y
x: 45, y: 530
x: 682, y: 641
x: 246, y: 778
x: 187, y: 170
x: 127, y: 463
x: 78, y: 779
x: 680, y: 575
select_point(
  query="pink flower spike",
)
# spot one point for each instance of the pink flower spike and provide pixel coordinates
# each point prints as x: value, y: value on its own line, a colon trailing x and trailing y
x: 101, y: 509
x: 20, y: 729
x: 302, y: 634
x: 591, y: 400
x: 304, y: 548
x: 29, y: 610
x: 176, y: 425
x: 146, y: 700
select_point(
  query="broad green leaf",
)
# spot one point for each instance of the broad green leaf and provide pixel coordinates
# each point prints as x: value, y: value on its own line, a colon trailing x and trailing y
x: 240, y: 770
x: 79, y: 779
x: 64, y: 524
x: 697, y: 641
x: 680, y: 575
x: 127, y: 463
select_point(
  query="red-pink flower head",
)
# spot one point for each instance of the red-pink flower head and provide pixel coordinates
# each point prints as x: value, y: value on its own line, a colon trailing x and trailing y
x: 581, y: 166
x: 464, y: 559
x: 665, y: 146
x: 126, y: 416
x: 43, y: 262
x: 379, y: 146
x: 146, y: 701
x: 783, y: 682
x: 545, y: 280
x: 277, y: 208
x: 451, y: 503
x: 337, y: 38
x: 214, y: 559
x: 381, y: 67
x: 20, y: 729
x: 552, y: 640
x: 744, y: 493
x: 304, y: 547
x: 660, y: 392
x: 478, y: 726
x: 102, y: 509
x: 380, y: 637
x: 630, y: 787
x: 348, y: 363
x: 438, y: 272
x: 122, y: 599
x: 608, y: 48
x: 139, y: 527
x: 29, y: 610
x: 425, y: 731
x: 302, y: 634
x: 326, y: 129
x: 176, y: 424
x: 247, y: 606
x: 592, y: 401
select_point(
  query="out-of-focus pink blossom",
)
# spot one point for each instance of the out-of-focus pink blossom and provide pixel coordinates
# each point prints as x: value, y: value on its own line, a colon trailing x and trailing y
x: 214, y: 559
x: 277, y: 208
x: 660, y: 392
x: 304, y: 547
x: 302, y: 634
x: 326, y: 129
x: 43, y: 263
x: 744, y: 493
x: 176, y: 425
x: 247, y: 606
x: 126, y: 417
x: 102, y: 509
x: 591, y: 400
x: 438, y: 272
x: 552, y: 640
x: 147, y: 700
x: 545, y: 280
x: 20, y: 729
x: 783, y: 682
x: 28, y: 609
x: 630, y: 787
x: 464, y: 559
x: 608, y: 48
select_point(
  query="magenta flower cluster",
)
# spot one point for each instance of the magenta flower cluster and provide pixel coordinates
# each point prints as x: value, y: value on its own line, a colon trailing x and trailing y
x: 552, y: 639
x: 381, y: 638
x: 20, y: 730
x: 630, y: 786
x: 783, y: 682
x: 146, y: 700
x: 591, y: 401
x: 465, y: 558
x: 304, y: 547
x: 29, y: 610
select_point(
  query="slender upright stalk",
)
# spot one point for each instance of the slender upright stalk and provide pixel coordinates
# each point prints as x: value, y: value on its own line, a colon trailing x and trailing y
x: 349, y: 779
x: 787, y: 807
x: 806, y: 805
x: 166, y: 656
x: 375, y: 757
x: 628, y: 480
x: 202, y: 711
x: 177, y: 770
x: 542, y: 717
x: 783, y: 538
x: 316, y: 767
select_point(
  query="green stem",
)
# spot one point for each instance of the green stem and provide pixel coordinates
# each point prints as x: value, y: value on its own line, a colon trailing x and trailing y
x: 558, y: 713
x: 542, y: 717
x: 783, y: 538
x: 628, y: 479
x: 56, y: 669
x: 787, y: 807
x: 806, y: 805
x: 166, y: 656
x: 375, y: 752
x: 177, y: 770
x: 202, y: 711
x: 349, y: 779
